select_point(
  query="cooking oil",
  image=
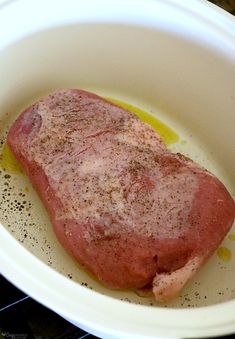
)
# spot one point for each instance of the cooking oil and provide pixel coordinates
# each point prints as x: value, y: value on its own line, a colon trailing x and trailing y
x: 166, y: 133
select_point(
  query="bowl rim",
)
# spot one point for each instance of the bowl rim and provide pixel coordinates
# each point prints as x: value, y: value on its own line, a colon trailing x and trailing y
x: 133, y: 321
x: 194, y: 12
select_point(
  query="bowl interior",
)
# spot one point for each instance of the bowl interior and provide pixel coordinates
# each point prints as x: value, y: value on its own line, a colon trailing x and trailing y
x: 188, y: 86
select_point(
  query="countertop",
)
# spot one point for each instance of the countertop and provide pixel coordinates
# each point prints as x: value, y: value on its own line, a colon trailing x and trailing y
x: 228, y: 5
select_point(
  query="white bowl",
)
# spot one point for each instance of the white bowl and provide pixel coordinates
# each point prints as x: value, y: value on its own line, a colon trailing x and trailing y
x: 174, y: 59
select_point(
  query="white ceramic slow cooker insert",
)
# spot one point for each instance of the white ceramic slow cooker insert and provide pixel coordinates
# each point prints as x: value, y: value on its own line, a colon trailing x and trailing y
x: 173, y: 59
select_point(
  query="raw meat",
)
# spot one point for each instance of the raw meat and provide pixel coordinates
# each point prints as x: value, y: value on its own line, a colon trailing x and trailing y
x: 124, y: 206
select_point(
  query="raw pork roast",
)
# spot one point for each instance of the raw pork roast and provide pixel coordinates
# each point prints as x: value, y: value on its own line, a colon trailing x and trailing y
x: 130, y: 211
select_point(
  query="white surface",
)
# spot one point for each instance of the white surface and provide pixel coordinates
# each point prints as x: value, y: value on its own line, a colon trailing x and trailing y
x: 4, y: 3
x: 182, y: 65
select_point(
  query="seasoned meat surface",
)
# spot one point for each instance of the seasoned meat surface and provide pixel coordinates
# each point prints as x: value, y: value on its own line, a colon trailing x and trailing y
x: 124, y: 206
